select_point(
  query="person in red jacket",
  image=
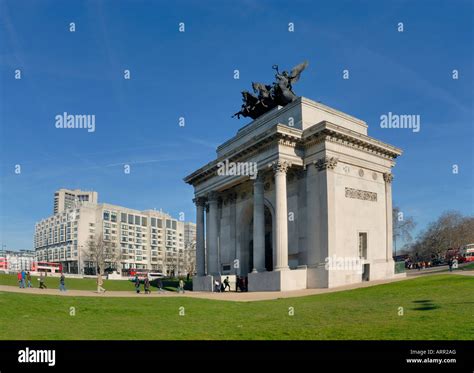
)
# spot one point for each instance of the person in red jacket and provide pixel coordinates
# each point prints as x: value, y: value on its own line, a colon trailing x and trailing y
x: 20, y: 280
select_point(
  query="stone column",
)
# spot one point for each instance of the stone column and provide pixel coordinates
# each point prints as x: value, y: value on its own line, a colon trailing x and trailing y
x: 200, y: 249
x: 258, y: 226
x: 212, y: 255
x: 281, y: 215
x: 321, y: 217
x: 232, y: 199
x: 388, y: 177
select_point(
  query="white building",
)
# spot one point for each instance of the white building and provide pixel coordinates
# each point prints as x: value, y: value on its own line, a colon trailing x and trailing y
x: 13, y: 261
x: 66, y: 199
x: 148, y: 239
x: 319, y: 214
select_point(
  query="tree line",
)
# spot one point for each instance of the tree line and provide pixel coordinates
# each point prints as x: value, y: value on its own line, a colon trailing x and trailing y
x: 452, y: 230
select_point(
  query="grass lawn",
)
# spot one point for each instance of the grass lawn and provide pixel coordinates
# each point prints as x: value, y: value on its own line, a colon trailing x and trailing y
x: 434, y: 307
x: 468, y: 267
x: 86, y: 283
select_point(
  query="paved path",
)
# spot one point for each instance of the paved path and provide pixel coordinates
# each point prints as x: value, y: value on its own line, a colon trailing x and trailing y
x: 228, y: 296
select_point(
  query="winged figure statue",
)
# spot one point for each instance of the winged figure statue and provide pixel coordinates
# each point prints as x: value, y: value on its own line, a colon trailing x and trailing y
x: 269, y: 96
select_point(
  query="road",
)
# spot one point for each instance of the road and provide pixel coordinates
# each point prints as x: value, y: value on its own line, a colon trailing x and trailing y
x: 416, y: 272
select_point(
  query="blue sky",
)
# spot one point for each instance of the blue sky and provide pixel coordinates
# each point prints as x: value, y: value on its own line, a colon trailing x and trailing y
x: 190, y: 74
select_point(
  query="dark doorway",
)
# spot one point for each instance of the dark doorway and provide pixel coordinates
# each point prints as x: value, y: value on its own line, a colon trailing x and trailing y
x: 268, y: 241
x: 366, y: 273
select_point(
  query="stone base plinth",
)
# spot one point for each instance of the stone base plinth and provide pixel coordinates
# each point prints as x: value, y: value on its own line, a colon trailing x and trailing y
x: 278, y: 280
x: 320, y: 277
x: 382, y: 269
x: 203, y: 283
x: 317, y: 277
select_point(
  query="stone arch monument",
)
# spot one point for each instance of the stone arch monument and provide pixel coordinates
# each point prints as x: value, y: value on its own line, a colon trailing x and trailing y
x: 327, y: 187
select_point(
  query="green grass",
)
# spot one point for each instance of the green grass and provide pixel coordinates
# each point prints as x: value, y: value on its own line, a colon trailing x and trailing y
x: 89, y: 283
x: 435, y: 307
x: 468, y: 267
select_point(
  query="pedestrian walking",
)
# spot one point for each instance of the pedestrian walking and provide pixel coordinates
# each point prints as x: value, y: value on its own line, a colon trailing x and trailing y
x: 181, y: 286
x: 23, y: 278
x: 147, y: 285
x: 41, y: 280
x: 28, y: 279
x: 226, y: 283
x: 100, y: 282
x: 20, y: 280
x: 62, y: 283
x: 237, y: 283
x: 160, y: 286
x: 137, y: 284
x: 450, y: 264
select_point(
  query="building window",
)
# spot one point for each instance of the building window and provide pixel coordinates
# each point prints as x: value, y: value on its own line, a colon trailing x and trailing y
x: 106, y: 215
x: 130, y: 219
x: 363, y: 245
x: 123, y: 217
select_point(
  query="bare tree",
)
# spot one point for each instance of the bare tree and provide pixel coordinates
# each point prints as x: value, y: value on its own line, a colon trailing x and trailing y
x: 402, y: 227
x: 451, y: 230
x: 101, y: 253
x: 191, y: 257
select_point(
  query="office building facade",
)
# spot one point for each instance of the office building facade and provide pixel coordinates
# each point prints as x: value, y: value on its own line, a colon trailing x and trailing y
x: 150, y: 240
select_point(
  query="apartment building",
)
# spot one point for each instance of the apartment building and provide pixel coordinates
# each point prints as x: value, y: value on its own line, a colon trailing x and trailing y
x: 66, y: 199
x: 149, y: 239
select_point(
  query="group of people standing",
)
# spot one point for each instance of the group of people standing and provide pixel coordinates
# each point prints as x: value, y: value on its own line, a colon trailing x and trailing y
x: 146, y: 285
x: 24, y: 279
x: 242, y: 284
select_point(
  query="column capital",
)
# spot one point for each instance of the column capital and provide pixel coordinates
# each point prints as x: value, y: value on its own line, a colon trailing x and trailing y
x: 280, y: 166
x: 259, y: 179
x: 199, y: 201
x: 231, y: 197
x: 213, y: 196
x: 326, y: 163
x: 388, y: 177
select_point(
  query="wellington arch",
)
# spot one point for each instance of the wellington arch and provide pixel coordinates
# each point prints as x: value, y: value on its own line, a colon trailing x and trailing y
x: 323, y: 193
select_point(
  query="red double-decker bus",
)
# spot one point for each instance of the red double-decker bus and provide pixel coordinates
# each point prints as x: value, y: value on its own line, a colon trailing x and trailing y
x: 3, y: 264
x: 47, y: 267
x: 468, y: 252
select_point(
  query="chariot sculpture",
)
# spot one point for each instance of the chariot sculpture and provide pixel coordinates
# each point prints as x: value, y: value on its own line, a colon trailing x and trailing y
x: 266, y: 97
